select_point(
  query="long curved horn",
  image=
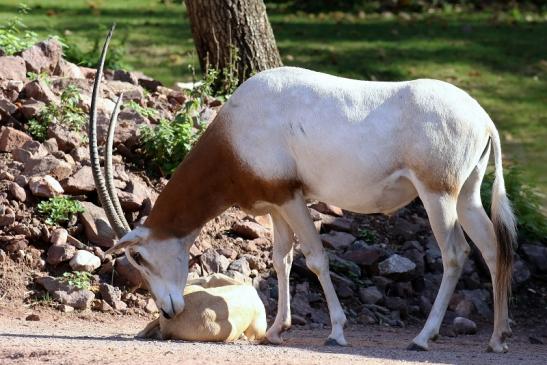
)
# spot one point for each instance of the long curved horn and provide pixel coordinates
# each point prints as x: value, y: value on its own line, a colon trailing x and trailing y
x: 108, y: 163
x: 104, y: 197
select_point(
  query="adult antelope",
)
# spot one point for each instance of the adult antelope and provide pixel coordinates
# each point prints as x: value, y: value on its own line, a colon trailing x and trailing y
x: 289, y: 134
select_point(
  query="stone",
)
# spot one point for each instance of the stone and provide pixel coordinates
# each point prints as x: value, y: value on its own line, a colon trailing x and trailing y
x: 7, y: 107
x: 14, y: 244
x: 66, y: 139
x: 32, y: 317
x: 396, y: 304
x: 337, y: 240
x: 31, y: 107
x: 12, y: 68
x: 84, y: 261
x: 464, y: 308
x: 51, y: 145
x: 344, y: 286
x: 40, y: 90
x: 370, y: 295
x: 249, y: 230
x: 151, y: 306
x: 336, y: 223
x: 404, y: 229
x: 68, y: 69
x: 396, y: 265
x: 521, y: 273
x: 45, y: 186
x: 43, y: 56
x: 342, y: 266
x: 66, y: 294
x: 60, y: 253
x: 241, y: 265
x: 21, y: 180
x: 81, y: 182
x: 536, y: 255
x: 464, y: 326
x: 11, y: 138
x: 6, y: 175
x: 327, y: 209
x: 48, y: 165
x: 96, y: 226
x: 481, y: 300
x: 7, y: 218
x: 211, y: 261
x: 80, y: 154
x: 59, y: 236
x: 65, y: 308
x: 366, y: 256
x: 113, y: 296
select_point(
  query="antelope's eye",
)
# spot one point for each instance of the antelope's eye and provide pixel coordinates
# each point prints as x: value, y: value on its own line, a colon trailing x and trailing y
x: 137, y: 257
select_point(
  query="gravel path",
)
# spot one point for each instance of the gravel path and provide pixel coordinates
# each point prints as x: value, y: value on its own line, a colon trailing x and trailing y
x: 105, y: 339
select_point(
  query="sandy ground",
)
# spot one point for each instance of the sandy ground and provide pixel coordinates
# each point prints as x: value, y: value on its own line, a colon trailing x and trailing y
x: 77, y: 338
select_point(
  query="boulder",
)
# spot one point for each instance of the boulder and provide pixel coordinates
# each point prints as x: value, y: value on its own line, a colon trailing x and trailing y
x: 43, y: 56
x: 336, y: 223
x: 68, y: 69
x: 60, y: 253
x: 370, y: 295
x: 366, y: 256
x: 59, y: 236
x: 97, y: 228
x: 66, y: 294
x: 7, y: 218
x: 337, y: 240
x: 17, y: 192
x: 10, y: 89
x: 80, y: 183
x: 48, y: 165
x: 84, y: 261
x: 536, y: 255
x: 31, y: 108
x: 344, y: 286
x: 249, y: 230
x: 241, y: 265
x: 12, y: 68
x: 7, y: 107
x: 396, y: 265
x: 481, y: 299
x: 128, y: 274
x: 464, y: 326
x: 66, y: 139
x: 40, y: 90
x: 45, y: 186
x: 11, y: 138
x: 113, y: 296
x: 211, y: 261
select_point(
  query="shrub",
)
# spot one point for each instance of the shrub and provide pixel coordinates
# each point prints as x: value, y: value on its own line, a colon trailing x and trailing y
x: 141, y: 110
x: 13, y: 36
x: 113, y: 61
x: 59, y: 209
x: 68, y: 114
x: 532, y: 224
x: 78, y: 279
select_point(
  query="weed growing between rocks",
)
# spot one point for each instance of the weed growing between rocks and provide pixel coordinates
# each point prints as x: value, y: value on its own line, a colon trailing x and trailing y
x: 59, y: 209
x: 78, y: 279
x: 13, y: 36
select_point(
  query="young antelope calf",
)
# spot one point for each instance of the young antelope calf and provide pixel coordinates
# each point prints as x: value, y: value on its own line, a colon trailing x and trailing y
x: 218, y: 308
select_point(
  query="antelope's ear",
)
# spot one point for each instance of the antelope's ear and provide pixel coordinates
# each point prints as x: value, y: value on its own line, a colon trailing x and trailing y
x: 121, y: 245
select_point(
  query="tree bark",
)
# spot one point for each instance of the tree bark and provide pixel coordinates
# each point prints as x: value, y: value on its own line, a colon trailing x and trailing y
x: 224, y: 29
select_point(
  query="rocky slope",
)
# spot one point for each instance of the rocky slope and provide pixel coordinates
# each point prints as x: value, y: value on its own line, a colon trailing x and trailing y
x: 386, y: 269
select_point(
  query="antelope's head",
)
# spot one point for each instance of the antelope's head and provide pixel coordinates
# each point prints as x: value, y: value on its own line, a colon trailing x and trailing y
x: 162, y: 261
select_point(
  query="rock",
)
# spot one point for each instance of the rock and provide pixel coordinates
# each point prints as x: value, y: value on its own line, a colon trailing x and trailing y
x: 84, y: 261
x: 464, y: 326
x: 14, y: 244
x: 151, y: 306
x: 344, y: 286
x: 536, y: 255
x: 113, y: 296
x: 66, y: 294
x: 370, y: 295
x: 336, y: 223
x: 241, y: 265
x: 7, y: 218
x: 128, y: 273
x: 404, y: 229
x: 32, y: 317
x: 43, y: 56
x: 11, y: 138
x: 366, y: 256
x: 239, y: 277
x: 464, y: 308
x: 65, y: 308
x: 58, y: 237
x: 396, y: 265
x: 68, y: 69
x: 521, y: 273
x: 327, y: 209
x: 40, y: 90
x: 396, y: 304
x: 344, y: 267
x: 45, y: 186
x: 66, y: 139
x: 51, y: 145
x: 7, y: 107
x: 337, y: 240
x: 12, y: 68
x: 481, y: 300
x: 48, y: 165
x: 211, y: 261
x: 21, y: 180
x: 60, y: 253
x: 97, y: 228
x: 249, y: 230
x: 80, y: 183
x: 6, y: 175
x: 31, y: 108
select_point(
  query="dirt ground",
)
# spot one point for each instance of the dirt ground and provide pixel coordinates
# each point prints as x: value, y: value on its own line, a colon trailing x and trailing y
x: 79, y: 338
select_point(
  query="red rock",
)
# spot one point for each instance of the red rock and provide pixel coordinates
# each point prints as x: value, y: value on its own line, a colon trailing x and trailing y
x: 249, y: 230
x: 11, y: 138
x: 68, y: 69
x: 59, y: 237
x: 12, y: 68
x: 48, y: 165
x: 60, y: 253
x: 337, y: 240
x: 327, y: 209
x: 45, y: 186
x: 41, y: 91
x: 43, y: 56
x: 97, y: 228
x: 31, y: 107
x: 17, y: 192
x: 80, y: 183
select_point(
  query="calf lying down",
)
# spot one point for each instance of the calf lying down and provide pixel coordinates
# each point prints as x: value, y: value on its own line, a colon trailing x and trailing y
x: 217, y: 308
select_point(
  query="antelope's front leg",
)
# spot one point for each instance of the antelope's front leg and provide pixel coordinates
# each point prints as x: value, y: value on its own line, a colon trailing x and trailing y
x: 282, y: 261
x: 296, y: 213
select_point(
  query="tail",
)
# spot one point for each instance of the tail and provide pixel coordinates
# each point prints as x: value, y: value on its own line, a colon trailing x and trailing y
x: 504, y: 224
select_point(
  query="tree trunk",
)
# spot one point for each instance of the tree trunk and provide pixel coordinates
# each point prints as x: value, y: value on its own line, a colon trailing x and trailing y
x: 230, y: 33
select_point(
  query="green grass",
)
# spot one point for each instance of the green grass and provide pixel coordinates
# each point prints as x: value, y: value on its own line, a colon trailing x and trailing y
x: 501, y: 60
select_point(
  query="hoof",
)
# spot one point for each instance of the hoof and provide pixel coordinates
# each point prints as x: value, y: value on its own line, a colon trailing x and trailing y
x: 415, y: 347
x: 500, y: 349
x: 272, y: 340
x: 333, y: 342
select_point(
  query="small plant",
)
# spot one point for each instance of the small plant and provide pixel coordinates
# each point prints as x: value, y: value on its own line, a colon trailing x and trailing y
x: 366, y: 235
x: 13, y: 36
x: 68, y: 114
x: 59, y: 209
x: 43, y: 76
x: 143, y: 111
x: 73, y: 53
x: 78, y: 279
